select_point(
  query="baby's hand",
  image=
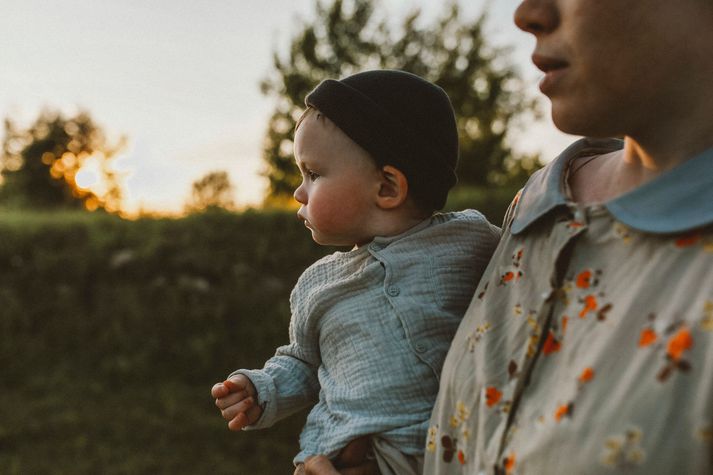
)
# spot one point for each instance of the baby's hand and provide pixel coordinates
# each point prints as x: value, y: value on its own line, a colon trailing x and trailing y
x: 235, y: 397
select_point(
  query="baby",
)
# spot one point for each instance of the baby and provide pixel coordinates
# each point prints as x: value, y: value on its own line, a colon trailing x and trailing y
x: 370, y: 327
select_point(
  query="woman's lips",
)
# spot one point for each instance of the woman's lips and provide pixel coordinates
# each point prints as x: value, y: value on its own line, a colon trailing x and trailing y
x: 553, y: 68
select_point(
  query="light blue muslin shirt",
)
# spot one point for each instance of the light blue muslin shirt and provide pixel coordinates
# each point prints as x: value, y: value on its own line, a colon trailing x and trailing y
x: 369, y: 333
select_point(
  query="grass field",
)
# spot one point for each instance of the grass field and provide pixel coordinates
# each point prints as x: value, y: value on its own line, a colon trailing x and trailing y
x: 112, y: 333
x: 56, y: 426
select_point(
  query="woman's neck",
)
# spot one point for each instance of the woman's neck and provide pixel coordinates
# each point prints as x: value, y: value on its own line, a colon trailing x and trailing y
x: 608, y: 176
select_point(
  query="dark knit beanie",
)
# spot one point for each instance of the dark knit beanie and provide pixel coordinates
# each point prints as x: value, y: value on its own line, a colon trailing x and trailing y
x: 401, y: 120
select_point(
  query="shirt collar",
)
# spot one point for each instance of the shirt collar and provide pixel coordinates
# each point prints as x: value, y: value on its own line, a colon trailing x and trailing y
x: 380, y: 242
x: 677, y: 201
x: 383, y: 241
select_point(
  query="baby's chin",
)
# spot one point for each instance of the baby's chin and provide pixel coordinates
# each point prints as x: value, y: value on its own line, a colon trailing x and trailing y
x: 331, y: 241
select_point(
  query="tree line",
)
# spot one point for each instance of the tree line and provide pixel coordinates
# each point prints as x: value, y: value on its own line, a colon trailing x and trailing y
x: 39, y: 165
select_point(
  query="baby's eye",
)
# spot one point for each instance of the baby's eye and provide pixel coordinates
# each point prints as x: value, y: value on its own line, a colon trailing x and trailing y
x: 312, y: 175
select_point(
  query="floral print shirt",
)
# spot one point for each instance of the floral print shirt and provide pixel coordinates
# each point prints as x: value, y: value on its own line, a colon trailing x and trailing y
x: 588, y: 346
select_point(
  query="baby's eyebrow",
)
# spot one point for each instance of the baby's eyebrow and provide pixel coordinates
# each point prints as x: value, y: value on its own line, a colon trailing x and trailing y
x: 301, y: 164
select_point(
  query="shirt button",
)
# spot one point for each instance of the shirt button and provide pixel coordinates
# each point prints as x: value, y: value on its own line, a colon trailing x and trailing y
x: 420, y: 347
x: 374, y: 246
x: 393, y: 291
x: 580, y: 216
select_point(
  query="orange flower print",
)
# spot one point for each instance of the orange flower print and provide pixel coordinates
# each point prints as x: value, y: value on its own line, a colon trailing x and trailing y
x: 552, y: 345
x: 509, y: 464
x: 587, y: 278
x: 679, y: 343
x: 515, y: 273
x: 586, y: 376
x: 583, y: 279
x: 564, y: 410
x: 590, y: 305
x: 461, y: 457
x: 565, y: 321
x: 492, y: 396
x: 517, y: 257
x: 688, y: 240
x: 510, y: 276
x: 648, y: 337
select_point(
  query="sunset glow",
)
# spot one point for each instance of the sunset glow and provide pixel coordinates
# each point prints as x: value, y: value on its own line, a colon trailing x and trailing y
x: 119, y: 61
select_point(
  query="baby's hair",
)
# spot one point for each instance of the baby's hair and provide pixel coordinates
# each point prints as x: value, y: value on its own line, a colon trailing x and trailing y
x: 304, y: 115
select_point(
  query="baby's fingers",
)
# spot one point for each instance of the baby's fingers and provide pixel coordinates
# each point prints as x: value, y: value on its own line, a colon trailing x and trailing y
x: 245, y: 418
x: 233, y: 410
x: 219, y: 390
x: 254, y: 413
x: 238, y: 422
x: 233, y: 385
x: 231, y: 399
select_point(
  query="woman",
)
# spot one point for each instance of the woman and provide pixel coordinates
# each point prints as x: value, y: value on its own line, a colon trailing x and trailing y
x: 589, y: 343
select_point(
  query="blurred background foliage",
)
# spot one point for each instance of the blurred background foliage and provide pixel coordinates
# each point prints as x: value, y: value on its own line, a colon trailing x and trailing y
x: 40, y: 164
x: 213, y: 191
x: 112, y: 331
x: 350, y: 36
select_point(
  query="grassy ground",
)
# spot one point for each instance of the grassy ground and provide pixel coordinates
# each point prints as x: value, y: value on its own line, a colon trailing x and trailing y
x: 56, y: 426
x: 112, y: 333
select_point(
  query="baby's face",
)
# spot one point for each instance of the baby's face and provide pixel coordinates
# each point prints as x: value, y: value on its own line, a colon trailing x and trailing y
x: 340, y: 182
x: 613, y: 67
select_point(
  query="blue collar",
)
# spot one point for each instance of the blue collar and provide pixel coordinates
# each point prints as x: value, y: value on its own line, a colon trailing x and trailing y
x: 677, y: 201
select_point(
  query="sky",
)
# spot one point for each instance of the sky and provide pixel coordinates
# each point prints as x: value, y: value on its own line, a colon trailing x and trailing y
x: 180, y: 79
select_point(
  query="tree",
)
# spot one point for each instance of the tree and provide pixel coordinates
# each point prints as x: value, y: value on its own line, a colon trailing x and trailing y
x: 212, y: 191
x: 346, y: 38
x: 40, y: 165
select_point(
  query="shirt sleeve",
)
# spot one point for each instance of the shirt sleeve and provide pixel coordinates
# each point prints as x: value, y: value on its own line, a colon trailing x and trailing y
x: 289, y: 380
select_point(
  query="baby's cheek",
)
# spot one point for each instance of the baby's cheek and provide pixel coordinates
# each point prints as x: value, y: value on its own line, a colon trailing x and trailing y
x: 338, y: 212
x: 332, y: 218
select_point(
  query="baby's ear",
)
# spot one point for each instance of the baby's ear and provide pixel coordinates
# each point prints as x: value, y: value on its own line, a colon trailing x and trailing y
x: 393, y: 189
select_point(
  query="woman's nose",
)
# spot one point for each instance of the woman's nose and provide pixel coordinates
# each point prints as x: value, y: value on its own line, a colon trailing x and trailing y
x: 537, y: 16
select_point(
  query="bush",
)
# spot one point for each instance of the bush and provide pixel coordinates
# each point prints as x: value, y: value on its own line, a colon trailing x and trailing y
x: 113, y: 331
x: 492, y: 202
